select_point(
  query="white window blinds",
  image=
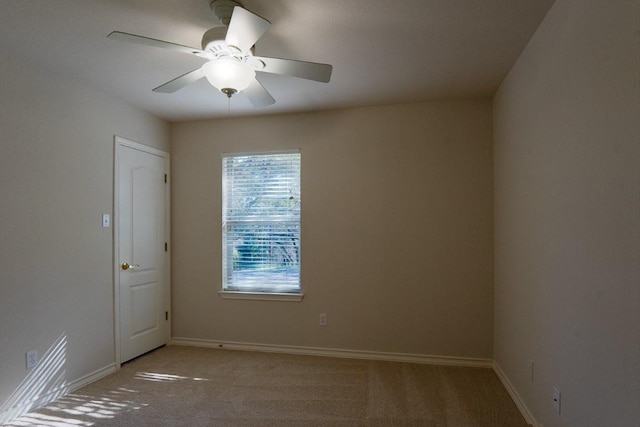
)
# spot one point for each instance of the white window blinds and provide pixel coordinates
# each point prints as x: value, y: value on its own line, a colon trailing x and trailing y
x: 261, y: 222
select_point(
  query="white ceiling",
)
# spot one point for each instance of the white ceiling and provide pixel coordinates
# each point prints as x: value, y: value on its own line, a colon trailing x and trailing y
x: 382, y: 52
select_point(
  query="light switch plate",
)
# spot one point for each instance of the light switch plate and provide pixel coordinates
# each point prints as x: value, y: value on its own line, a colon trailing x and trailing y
x: 106, y: 220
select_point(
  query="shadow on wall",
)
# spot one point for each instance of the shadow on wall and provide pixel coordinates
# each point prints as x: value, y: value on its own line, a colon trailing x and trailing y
x: 46, y: 381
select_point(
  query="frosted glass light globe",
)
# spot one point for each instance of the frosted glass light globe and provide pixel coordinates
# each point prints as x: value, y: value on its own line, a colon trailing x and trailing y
x: 228, y: 74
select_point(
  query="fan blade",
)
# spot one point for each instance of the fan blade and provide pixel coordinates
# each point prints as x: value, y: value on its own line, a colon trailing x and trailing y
x: 302, y: 69
x: 245, y: 29
x: 180, y: 82
x: 132, y: 38
x: 258, y: 95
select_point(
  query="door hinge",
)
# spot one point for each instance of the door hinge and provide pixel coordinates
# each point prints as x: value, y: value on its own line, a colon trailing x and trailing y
x: 165, y: 178
x: 166, y: 315
x: 166, y: 247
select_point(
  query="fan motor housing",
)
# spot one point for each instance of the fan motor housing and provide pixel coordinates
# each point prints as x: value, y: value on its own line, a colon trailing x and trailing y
x: 213, y: 40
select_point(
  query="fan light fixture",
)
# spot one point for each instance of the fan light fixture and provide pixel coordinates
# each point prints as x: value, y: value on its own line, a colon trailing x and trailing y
x: 231, y: 66
x: 228, y: 75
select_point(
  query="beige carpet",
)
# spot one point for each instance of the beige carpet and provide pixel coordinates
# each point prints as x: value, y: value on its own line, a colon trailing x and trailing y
x: 185, y: 386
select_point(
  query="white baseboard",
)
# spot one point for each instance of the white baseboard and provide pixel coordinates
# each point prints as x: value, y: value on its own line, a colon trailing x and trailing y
x: 332, y: 352
x: 526, y: 413
x: 22, y: 406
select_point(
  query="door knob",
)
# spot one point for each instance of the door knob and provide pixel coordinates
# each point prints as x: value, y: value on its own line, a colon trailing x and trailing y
x: 127, y: 266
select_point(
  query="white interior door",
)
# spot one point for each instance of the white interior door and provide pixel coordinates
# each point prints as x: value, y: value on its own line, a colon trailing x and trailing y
x: 142, y: 257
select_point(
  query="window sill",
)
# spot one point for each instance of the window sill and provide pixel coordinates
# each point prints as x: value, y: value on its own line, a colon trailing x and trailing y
x: 261, y: 296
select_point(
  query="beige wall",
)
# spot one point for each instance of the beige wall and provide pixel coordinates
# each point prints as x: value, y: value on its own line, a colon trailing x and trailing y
x: 398, y: 213
x: 567, y: 216
x: 396, y: 230
x: 56, y: 170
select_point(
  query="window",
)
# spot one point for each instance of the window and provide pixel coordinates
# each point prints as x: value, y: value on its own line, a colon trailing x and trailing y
x: 261, y: 223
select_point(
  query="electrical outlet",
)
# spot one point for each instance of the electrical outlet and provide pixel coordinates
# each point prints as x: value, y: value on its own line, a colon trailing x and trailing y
x: 323, y: 320
x: 32, y: 358
x: 556, y: 400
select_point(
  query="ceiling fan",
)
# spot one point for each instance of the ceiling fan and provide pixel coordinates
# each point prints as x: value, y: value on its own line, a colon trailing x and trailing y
x: 231, y: 65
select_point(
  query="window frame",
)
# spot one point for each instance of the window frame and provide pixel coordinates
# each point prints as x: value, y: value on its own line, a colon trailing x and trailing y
x: 259, y: 293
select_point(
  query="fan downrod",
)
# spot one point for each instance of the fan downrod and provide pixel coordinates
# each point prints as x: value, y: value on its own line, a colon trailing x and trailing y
x: 222, y: 10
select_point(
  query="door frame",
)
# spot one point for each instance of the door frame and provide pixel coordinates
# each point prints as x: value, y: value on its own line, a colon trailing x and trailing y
x: 118, y: 144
